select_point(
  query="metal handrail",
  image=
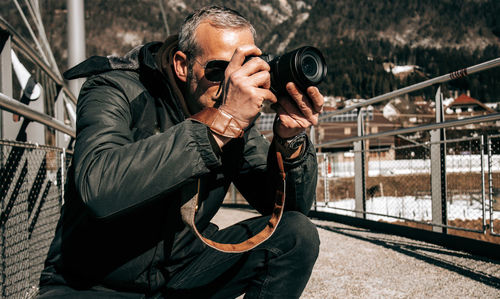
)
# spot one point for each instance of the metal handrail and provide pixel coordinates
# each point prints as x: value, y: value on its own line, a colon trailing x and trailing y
x: 433, y: 126
x: 17, y: 107
x: 441, y: 79
x: 22, y: 46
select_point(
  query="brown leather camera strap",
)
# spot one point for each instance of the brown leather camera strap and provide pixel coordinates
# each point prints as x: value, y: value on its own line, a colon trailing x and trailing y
x: 219, y: 122
x: 189, y: 209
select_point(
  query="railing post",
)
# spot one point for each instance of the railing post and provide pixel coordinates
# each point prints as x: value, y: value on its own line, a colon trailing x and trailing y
x: 359, y: 168
x: 483, y: 191
x: 438, y: 169
x: 5, y: 75
x: 490, y: 182
x: 326, y: 189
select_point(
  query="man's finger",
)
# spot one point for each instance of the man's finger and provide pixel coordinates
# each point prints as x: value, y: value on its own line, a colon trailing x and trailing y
x: 261, y: 79
x: 254, y: 65
x: 302, y: 102
x: 316, y: 98
x: 267, y: 95
x: 240, y: 55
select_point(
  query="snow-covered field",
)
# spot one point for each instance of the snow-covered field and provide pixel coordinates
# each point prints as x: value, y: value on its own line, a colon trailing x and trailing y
x: 409, y: 207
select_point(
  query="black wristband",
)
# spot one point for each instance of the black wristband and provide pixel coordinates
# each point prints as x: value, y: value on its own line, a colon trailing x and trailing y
x: 290, y: 145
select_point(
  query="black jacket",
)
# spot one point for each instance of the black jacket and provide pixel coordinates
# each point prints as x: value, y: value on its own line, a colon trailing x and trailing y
x: 135, y: 153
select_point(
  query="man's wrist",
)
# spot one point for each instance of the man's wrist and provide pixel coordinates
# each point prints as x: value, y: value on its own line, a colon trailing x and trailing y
x: 221, y: 140
x: 292, y: 147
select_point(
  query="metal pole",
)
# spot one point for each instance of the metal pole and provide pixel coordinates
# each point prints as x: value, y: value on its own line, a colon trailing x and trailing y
x: 438, y: 169
x: 9, y: 104
x: 359, y: 168
x: 490, y: 182
x: 441, y: 79
x: 483, y: 195
x: 326, y: 194
x: 422, y: 128
x: 76, y: 39
x: 5, y: 80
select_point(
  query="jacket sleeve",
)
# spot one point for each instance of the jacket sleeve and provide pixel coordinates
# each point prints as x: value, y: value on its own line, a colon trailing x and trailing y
x: 114, y: 173
x: 258, y: 174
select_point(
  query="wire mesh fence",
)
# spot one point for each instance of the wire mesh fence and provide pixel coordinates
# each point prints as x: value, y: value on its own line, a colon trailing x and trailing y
x: 398, y: 183
x: 31, y: 190
x: 464, y: 184
x: 336, y: 181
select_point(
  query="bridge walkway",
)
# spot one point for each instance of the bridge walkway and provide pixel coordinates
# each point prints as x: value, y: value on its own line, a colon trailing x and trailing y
x: 359, y: 263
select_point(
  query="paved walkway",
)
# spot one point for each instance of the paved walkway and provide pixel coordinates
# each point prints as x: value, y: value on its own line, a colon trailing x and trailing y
x: 358, y: 263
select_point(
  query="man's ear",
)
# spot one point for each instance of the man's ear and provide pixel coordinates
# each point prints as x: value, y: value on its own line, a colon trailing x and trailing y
x: 181, y: 65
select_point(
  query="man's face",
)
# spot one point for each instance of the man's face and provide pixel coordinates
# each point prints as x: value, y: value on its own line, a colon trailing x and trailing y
x: 215, y: 44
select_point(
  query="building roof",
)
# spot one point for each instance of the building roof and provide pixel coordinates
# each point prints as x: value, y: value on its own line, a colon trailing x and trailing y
x: 465, y: 100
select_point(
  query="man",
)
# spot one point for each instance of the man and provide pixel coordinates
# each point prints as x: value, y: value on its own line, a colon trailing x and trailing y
x: 142, y: 144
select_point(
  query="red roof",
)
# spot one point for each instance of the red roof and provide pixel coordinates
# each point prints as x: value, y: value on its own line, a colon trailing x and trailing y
x: 464, y: 99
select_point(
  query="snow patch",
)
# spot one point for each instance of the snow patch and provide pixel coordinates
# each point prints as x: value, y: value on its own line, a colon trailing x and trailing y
x: 403, y: 69
x: 409, y: 207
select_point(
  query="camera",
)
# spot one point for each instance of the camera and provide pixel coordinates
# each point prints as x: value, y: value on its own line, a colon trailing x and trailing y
x: 304, y: 66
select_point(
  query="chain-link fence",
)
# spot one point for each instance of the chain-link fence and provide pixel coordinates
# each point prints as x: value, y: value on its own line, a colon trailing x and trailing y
x: 31, y: 191
x: 398, y: 183
x: 336, y: 181
x: 465, y: 172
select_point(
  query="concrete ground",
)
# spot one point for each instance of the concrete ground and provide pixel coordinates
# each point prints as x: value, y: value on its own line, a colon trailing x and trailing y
x: 359, y: 263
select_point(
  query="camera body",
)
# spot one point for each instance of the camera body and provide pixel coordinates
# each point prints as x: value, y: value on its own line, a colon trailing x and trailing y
x: 304, y: 66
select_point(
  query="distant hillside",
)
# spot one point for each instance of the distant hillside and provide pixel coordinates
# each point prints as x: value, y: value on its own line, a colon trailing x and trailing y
x: 357, y: 37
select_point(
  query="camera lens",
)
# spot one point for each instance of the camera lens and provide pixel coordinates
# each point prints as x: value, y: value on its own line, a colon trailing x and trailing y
x: 309, y: 66
x: 304, y: 66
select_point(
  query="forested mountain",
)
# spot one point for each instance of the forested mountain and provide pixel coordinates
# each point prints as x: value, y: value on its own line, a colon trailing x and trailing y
x: 356, y: 36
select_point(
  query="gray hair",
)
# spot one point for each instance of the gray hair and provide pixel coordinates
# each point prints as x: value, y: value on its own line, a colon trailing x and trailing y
x: 217, y: 16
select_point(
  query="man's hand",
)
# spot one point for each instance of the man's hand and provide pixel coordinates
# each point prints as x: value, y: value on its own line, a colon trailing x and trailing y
x: 246, y: 86
x: 298, y: 111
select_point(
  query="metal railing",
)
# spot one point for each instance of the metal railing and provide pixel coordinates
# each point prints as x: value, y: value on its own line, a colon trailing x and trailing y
x: 32, y: 175
x: 20, y: 45
x: 422, y: 182
x: 400, y: 189
x: 55, y: 106
x: 11, y: 105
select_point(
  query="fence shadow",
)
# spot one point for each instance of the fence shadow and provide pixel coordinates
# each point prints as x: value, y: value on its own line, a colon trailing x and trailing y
x: 423, y: 251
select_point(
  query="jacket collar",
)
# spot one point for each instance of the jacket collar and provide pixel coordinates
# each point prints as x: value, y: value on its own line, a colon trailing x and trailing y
x: 165, y: 61
x: 154, y: 61
x: 99, y: 64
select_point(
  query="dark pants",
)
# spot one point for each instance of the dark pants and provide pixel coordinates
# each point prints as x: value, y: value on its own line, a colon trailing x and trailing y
x: 278, y: 268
